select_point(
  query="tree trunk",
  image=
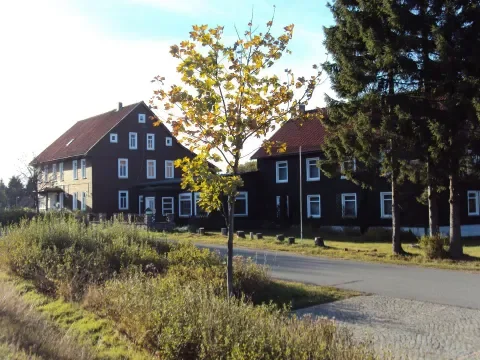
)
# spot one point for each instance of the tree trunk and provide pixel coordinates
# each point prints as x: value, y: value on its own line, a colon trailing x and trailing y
x: 433, y: 224
x: 231, y: 207
x: 456, y: 246
x: 396, y: 240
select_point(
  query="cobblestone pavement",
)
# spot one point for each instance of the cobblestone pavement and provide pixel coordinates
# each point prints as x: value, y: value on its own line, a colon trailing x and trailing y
x: 408, y: 329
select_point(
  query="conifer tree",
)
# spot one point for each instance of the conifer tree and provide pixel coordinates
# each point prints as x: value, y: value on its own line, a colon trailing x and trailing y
x: 371, y: 71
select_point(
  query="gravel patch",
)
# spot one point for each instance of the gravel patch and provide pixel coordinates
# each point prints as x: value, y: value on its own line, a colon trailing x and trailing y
x: 408, y: 329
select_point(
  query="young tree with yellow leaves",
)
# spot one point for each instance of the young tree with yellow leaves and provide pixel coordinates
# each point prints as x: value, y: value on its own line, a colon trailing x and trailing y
x: 230, y: 95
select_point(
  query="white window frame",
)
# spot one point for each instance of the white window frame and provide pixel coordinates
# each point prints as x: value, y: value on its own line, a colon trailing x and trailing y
x: 471, y: 194
x: 54, y: 172
x: 61, y: 200
x: 131, y: 136
x: 184, y: 197
x: 171, y: 208
x: 60, y: 170
x: 120, y: 176
x: 310, y: 200
x: 120, y: 193
x: 242, y: 195
x: 154, y: 162
x: 83, y: 203
x: 169, y: 164
x: 342, y: 167
x: 75, y: 169
x: 83, y: 167
x: 114, y: 138
x: 277, y: 171
x: 196, y: 199
x: 307, y: 162
x: 343, y: 205
x: 168, y: 141
x: 383, y: 215
x: 142, y: 118
x: 74, y: 201
x: 151, y: 138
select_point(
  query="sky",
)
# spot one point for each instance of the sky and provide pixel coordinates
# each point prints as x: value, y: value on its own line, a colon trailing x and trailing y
x: 65, y: 60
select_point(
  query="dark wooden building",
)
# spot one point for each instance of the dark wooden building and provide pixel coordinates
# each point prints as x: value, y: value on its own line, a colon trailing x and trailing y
x: 292, y: 186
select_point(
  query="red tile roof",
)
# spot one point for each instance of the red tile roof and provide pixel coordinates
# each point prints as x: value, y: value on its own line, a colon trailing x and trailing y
x: 85, y: 134
x: 309, y: 134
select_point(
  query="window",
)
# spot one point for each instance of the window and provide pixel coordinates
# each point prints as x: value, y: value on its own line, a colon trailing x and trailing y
x: 150, y: 141
x: 198, y: 210
x: 60, y: 169
x: 278, y: 205
x: 313, y: 206
x: 83, y: 166
x: 75, y: 169
x: 142, y: 118
x: 84, y: 201
x: 45, y: 173
x: 114, y: 138
x: 282, y: 171
x: 151, y: 169
x: 473, y: 203
x: 169, y: 170
x: 123, y: 200
x: 241, y: 204
x: 167, y: 206
x: 349, y: 205
x: 74, y: 201
x: 168, y: 141
x: 350, y: 165
x: 132, y: 141
x: 313, y: 171
x: 185, y: 205
x: 386, y: 205
x: 54, y: 172
x: 123, y: 168
x: 61, y: 200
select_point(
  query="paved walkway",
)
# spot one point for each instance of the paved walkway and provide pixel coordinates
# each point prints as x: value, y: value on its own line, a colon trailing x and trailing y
x: 408, y: 329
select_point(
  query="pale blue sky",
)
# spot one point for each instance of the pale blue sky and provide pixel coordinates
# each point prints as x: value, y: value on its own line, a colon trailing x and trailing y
x: 65, y: 60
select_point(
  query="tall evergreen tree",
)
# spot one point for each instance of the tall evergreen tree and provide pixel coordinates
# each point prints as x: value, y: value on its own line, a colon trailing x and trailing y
x: 457, y: 41
x: 15, y: 190
x: 371, y: 71
x: 3, y: 195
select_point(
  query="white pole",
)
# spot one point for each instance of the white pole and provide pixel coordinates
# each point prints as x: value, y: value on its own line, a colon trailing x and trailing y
x: 301, y: 196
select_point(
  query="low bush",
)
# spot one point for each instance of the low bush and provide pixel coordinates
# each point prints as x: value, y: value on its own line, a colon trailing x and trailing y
x: 192, y: 322
x: 434, y: 247
x: 63, y: 256
x: 14, y: 216
x: 379, y: 234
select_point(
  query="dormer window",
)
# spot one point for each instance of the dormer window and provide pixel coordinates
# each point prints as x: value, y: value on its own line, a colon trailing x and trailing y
x: 142, y: 118
x: 168, y: 141
x: 114, y: 138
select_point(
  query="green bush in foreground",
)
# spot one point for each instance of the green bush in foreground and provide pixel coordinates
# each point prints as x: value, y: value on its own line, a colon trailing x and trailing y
x: 63, y: 256
x: 193, y: 322
x: 15, y: 215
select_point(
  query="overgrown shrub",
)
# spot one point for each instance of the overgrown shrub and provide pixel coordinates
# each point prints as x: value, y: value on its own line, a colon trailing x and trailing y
x: 63, y: 256
x: 434, y: 247
x: 14, y: 216
x: 379, y: 234
x: 192, y: 322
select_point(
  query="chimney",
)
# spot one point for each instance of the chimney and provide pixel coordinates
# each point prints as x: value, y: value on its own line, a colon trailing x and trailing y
x: 301, y: 108
x: 120, y: 106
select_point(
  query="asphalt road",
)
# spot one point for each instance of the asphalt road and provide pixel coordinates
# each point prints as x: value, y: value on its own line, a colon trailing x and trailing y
x: 445, y: 287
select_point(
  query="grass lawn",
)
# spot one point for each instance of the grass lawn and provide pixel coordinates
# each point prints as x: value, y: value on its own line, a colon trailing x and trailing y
x: 346, y: 248
x: 35, y: 326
